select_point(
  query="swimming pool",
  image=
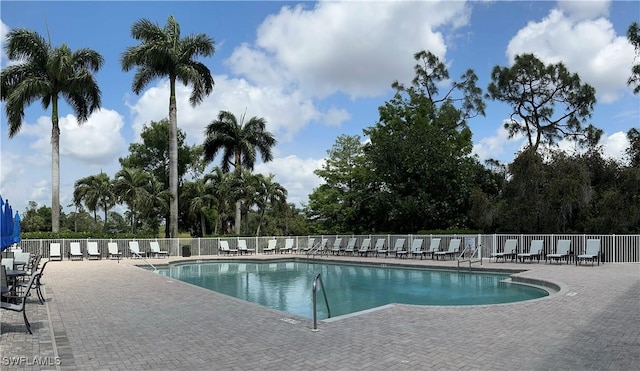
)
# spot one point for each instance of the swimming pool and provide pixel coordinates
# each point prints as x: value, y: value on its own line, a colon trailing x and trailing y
x: 287, y: 285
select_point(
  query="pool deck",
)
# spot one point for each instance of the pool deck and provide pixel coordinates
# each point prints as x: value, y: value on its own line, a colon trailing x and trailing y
x: 110, y: 315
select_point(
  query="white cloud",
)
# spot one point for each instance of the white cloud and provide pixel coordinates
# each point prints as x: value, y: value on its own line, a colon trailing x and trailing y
x: 357, y: 48
x: 335, y: 116
x: 295, y: 174
x: 494, y: 147
x: 587, y: 46
x: 585, y: 9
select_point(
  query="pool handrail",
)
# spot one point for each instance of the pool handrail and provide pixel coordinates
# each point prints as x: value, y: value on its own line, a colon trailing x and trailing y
x: 314, y: 300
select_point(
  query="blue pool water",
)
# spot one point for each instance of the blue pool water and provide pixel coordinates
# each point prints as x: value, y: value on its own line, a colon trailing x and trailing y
x: 288, y: 285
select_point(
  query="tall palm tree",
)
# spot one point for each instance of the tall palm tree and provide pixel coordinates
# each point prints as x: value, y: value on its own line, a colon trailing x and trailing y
x: 162, y: 53
x: 219, y: 184
x: 239, y: 143
x: 133, y: 186
x: 47, y: 74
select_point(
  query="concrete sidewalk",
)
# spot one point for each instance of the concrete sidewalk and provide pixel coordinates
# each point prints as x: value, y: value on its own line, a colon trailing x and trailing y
x: 108, y: 315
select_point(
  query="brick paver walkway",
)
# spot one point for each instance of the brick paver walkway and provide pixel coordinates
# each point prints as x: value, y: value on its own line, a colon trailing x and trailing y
x: 105, y: 315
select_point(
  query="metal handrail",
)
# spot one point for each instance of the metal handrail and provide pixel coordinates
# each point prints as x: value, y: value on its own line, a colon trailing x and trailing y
x: 145, y: 260
x: 470, y: 260
x: 316, y: 247
x: 324, y: 292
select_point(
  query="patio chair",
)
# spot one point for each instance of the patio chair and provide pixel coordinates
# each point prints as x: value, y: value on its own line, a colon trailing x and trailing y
x: 38, y: 282
x: 433, y: 247
x: 54, y: 251
x: 310, y: 243
x: 288, y: 246
x: 92, y: 250
x: 113, y: 250
x: 508, y: 250
x: 454, y: 247
x: 562, y: 251
x: 337, y: 246
x: 18, y: 301
x: 592, y: 252
x: 381, y: 247
x: 134, y: 249
x: 243, y: 249
x: 271, y: 247
x: 416, y: 248
x: 154, y: 246
x: 75, y: 252
x: 4, y: 282
x: 365, y: 248
x: 535, y: 250
x: 224, y: 247
x: 351, y: 246
x: 399, y: 248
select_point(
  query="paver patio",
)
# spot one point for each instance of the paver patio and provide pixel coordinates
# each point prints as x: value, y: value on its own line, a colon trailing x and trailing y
x: 109, y: 315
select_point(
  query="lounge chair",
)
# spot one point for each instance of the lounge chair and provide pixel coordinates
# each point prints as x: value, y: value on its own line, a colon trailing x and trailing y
x: 562, y: 251
x: 134, y: 249
x: 454, y: 246
x: 75, y: 252
x: 399, y: 248
x: 592, y: 252
x: 288, y: 246
x: 508, y: 250
x: 92, y: 250
x: 416, y: 248
x: 271, y: 247
x: 113, y: 250
x: 20, y: 301
x: 224, y: 248
x: 310, y: 243
x: 54, y: 251
x: 535, y: 250
x: 154, y: 246
x: 365, y: 248
x: 337, y: 246
x: 381, y: 247
x: 433, y: 247
x: 351, y: 246
x: 243, y: 249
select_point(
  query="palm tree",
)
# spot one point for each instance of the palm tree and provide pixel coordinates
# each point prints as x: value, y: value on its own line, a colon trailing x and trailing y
x: 45, y: 73
x: 219, y: 185
x: 133, y: 186
x: 270, y: 195
x: 238, y: 143
x: 163, y: 53
x: 97, y: 193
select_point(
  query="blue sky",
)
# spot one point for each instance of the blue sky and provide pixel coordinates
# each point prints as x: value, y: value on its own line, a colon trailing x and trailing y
x: 313, y: 70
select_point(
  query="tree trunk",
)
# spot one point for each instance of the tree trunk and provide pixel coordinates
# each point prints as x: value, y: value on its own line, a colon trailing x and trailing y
x: 202, y: 224
x: 173, y: 160
x: 55, y: 166
x: 238, y: 216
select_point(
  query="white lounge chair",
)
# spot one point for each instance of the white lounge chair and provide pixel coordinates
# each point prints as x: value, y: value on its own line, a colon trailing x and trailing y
x: 337, y: 245
x: 535, y: 250
x: 381, y: 247
x: 113, y: 250
x: 54, y: 251
x: 154, y: 246
x: 399, y: 248
x: 271, y: 247
x: 134, y: 249
x: 592, y: 252
x: 75, y: 252
x: 365, y: 248
x: 92, y: 250
x: 224, y: 248
x: 351, y: 246
x: 310, y: 243
x: 288, y: 246
x: 433, y: 247
x: 243, y: 249
x: 508, y: 250
x: 454, y: 247
x: 562, y: 251
x: 416, y: 248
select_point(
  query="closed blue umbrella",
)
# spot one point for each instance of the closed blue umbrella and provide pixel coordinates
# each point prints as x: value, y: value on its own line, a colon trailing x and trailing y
x: 6, y: 225
x: 16, y: 228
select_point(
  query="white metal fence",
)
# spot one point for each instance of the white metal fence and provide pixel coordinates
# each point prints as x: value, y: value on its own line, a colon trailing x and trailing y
x: 614, y: 248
